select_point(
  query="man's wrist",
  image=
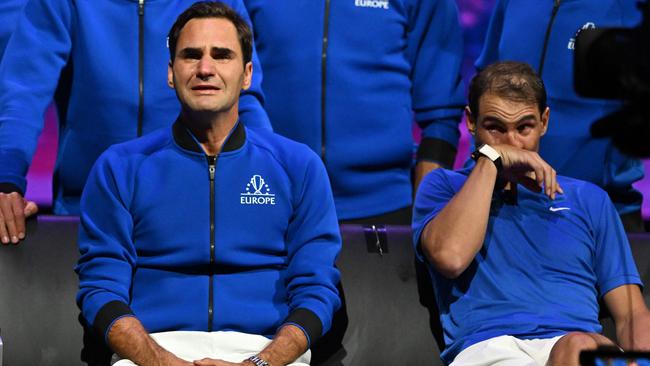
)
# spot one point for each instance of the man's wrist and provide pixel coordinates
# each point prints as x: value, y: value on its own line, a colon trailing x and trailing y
x: 257, y: 361
x: 488, y: 152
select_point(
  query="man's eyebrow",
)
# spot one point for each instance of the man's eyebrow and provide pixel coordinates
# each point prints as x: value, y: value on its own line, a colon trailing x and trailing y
x: 492, y: 119
x: 221, y: 52
x: 190, y: 52
x: 526, y: 118
x: 498, y: 120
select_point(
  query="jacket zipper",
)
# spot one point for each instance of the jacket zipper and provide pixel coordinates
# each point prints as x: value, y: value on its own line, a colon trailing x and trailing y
x: 212, y: 166
x: 140, y: 65
x: 324, y: 77
x: 556, y: 6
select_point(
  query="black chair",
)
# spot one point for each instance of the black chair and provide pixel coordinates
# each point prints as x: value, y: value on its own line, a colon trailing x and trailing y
x: 387, y: 325
x: 38, y: 314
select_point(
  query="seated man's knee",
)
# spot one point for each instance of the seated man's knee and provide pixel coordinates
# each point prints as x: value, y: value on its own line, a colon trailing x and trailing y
x: 567, y: 349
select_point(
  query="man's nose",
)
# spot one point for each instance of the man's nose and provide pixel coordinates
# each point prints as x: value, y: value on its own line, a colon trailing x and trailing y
x: 205, y: 68
x: 514, y: 140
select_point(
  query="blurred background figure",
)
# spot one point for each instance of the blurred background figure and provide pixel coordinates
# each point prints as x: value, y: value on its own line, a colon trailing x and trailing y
x: 542, y: 33
x: 10, y: 11
x: 348, y: 78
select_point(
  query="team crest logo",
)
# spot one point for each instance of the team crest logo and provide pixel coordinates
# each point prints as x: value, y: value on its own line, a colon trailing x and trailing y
x: 572, y: 40
x: 257, y: 192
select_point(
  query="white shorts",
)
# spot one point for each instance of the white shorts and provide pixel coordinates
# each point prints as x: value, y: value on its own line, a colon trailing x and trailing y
x: 507, y: 351
x: 227, y: 346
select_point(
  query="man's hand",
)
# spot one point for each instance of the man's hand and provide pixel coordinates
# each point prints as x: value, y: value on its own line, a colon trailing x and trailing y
x: 528, y: 169
x: 14, y: 209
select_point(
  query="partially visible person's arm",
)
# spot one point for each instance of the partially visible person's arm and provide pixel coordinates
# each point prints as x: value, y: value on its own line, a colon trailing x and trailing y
x: 616, y: 272
x: 451, y: 240
x: 631, y: 316
x: 128, y: 338
x: 29, y: 71
x: 108, y: 260
x: 288, y: 344
x: 14, y: 209
x: 435, y: 52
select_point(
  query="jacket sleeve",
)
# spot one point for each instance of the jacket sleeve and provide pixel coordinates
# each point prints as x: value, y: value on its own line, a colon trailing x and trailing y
x: 490, y: 52
x: 29, y: 71
x: 251, y: 101
x: 107, y: 253
x: 10, y: 11
x: 314, y: 243
x: 435, y: 51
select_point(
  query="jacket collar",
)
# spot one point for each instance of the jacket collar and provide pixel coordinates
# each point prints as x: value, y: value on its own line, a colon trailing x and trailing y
x: 183, y: 137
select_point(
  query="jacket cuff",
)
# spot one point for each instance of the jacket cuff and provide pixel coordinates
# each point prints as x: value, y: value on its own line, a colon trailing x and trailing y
x: 308, y: 322
x: 107, y: 315
x: 10, y: 188
x: 440, y: 151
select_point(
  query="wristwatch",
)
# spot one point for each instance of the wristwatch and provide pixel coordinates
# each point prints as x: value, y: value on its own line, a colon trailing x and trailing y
x: 257, y: 361
x: 489, y: 152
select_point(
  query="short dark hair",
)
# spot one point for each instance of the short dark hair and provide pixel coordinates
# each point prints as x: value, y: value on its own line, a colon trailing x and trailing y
x: 212, y: 9
x: 514, y: 81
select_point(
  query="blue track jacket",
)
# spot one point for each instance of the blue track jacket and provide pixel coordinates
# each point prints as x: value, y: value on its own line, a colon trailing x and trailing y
x: 10, y: 11
x: 100, y: 39
x: 348, y: 77
x: 517, y: 32
x: 244, y: 242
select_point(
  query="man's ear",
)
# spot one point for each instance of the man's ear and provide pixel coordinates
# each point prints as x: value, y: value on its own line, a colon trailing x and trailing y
x: 469, y: 121
x: 544, y: 120
x: 170, y: 75
x: 248, y: 75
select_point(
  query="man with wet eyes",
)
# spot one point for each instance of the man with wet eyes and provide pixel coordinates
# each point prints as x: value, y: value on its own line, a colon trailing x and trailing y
x: 177, y: 269
x: 520, y: 256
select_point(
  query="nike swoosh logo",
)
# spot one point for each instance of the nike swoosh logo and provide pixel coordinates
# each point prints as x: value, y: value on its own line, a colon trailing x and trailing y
x: 556, y: 209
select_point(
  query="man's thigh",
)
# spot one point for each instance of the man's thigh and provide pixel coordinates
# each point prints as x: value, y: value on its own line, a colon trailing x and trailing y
x: 227, y: 346
x: 506, y: 351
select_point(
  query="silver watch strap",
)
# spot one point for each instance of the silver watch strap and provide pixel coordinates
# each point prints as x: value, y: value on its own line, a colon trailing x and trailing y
x: 258, y: 361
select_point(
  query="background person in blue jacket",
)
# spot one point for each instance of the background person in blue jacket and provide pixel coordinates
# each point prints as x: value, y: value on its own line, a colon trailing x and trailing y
x: 519, y: 255
x: 348, y: 78
x: 118, y: 91
x: 10, y: 11
x: 542, y: 34
x: 225, y: 233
